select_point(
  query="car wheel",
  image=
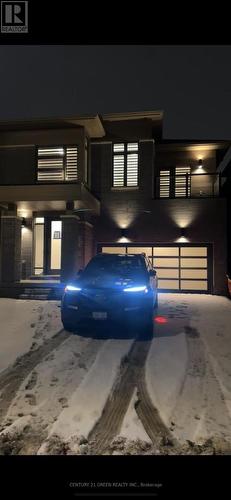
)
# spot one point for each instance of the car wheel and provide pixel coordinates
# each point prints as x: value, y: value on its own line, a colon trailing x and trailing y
x: 156, y: 302
x: 147, y: 329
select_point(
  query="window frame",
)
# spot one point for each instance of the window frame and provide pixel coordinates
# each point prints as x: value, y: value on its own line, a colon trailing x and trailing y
x: 59, y: 146
x: 125, y: 154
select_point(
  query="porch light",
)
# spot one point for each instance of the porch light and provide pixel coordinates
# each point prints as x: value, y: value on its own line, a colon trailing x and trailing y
x: 23, y: 222
x: 200, y: 164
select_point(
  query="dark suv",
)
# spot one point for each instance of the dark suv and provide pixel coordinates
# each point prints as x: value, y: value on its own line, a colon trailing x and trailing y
x: 111, y: 287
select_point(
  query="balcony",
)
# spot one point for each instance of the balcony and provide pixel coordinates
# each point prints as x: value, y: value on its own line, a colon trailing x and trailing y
x: 188, y: 185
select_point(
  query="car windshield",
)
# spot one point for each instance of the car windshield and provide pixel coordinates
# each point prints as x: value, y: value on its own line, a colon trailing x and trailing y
x: 114, y: 265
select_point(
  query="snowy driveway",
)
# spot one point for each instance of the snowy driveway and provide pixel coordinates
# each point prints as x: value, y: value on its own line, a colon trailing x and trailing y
x: 97, y: 392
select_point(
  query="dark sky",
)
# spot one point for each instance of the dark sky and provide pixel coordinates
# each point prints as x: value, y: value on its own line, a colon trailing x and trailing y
x: 191, y: 84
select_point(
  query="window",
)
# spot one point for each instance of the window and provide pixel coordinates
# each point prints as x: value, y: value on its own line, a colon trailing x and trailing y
x: 57, y: 163
x: 125, y: 165
x: 175, y: 182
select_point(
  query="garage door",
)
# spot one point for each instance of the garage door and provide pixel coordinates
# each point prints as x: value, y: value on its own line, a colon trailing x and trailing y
x: 179, y: 267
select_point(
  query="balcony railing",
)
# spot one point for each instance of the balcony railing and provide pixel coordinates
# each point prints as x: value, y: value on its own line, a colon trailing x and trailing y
x: 188, y: 185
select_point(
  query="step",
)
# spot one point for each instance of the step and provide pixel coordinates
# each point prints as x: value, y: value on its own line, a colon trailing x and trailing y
x: 33, y: 297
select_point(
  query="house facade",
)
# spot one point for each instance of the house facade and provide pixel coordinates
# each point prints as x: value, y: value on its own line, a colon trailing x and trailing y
x: 72, y: 187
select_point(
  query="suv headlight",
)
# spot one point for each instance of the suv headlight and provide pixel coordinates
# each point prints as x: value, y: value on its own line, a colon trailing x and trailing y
x: 136, y: 289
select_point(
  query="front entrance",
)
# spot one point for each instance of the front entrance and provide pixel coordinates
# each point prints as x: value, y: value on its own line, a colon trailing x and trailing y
x: 47, y: 245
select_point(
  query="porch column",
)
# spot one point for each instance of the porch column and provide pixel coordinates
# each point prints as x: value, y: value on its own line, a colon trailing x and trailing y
x: 71, y: 259
x: 10, y: 271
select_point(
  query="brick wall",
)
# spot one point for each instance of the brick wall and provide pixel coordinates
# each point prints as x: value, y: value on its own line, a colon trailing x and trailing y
x: 10, y: 249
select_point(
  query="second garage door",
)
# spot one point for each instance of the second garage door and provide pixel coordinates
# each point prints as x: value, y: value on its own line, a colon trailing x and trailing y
x: 179, y: 267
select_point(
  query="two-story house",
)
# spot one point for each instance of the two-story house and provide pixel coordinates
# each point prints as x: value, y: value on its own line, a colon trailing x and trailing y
x: 72, y: 187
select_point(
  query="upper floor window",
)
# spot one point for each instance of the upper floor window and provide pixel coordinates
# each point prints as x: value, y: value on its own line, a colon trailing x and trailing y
x: 175, y: 182
x: 125, y: 164
x: 58, y: 163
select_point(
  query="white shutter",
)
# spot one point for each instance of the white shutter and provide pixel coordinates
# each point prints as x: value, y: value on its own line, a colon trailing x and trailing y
x: 164, y: 183
x: 71, y: 163
x: 181, y: 181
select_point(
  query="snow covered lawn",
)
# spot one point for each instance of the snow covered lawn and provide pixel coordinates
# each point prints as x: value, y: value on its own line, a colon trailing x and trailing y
x: 188, y: 370
x: 23, y: 324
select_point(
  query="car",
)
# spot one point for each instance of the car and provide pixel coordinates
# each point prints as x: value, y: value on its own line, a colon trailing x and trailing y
x: 111, y: 287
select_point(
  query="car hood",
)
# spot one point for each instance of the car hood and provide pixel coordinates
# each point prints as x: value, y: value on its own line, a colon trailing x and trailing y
x: 111, y: 282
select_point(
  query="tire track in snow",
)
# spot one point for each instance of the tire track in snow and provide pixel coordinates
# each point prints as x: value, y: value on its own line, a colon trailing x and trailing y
x: 131, y: 375
x: 12, y: 377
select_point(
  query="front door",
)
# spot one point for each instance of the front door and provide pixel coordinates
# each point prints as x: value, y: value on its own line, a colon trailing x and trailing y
x: 53, y: 239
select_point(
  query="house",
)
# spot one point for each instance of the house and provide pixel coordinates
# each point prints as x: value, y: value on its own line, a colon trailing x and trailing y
x: 72, y: 187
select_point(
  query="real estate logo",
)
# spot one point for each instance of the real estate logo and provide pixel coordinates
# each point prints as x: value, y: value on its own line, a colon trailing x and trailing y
x: 14, y: 17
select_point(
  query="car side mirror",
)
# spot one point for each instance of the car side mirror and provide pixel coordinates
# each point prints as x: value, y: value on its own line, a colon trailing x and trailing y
x: 152, y: 272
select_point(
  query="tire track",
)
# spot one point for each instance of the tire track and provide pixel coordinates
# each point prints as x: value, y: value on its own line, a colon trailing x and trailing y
x: 12, y: 377
x: 131, y: 375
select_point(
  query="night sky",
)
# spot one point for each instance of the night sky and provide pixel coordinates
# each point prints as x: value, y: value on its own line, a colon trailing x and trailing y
x: 191, y: 84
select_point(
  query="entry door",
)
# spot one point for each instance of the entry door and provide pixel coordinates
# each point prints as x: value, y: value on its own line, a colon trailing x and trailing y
x: 53, y: 238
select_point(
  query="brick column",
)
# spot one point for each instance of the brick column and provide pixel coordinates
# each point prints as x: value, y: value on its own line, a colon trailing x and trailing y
x: 72, y: 247
x: 10, y: 249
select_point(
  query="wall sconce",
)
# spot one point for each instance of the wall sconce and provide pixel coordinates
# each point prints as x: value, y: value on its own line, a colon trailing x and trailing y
x: 123, y: 233
x: 23, y: 222
x: 183, y: 238
x: 200, y: 164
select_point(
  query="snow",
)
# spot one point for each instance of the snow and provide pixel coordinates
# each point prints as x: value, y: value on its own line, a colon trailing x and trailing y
x: 132, y: 428
x: 188, y: 369
x: 24, y: 322
x: 86, y: 404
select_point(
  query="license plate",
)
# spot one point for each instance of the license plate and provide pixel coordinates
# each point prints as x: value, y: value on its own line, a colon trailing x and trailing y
x: 99, y: 315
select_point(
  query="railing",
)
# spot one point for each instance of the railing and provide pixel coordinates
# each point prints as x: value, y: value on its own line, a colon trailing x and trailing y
x: 188, y: 185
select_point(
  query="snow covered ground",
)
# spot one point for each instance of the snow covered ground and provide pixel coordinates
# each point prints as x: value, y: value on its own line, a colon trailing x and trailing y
x: 23, y: 323
x: 60, y: 393
x: 188, y: 370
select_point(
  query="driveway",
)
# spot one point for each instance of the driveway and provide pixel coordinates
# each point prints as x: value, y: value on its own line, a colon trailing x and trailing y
x: 110, y: 391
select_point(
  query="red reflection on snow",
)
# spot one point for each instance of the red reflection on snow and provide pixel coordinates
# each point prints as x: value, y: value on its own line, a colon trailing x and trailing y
x: 160, y: 319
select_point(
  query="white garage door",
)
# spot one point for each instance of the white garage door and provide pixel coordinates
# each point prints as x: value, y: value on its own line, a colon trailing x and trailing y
x: 179, y: 267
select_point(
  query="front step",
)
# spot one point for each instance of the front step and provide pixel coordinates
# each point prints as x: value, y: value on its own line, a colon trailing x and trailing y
x: 38, y: 293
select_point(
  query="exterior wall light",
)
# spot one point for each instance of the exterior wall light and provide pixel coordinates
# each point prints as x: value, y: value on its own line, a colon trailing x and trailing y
x: 123, y: 233
x: 183, y: 238
x: 200, y: 164
x: 23, y: 222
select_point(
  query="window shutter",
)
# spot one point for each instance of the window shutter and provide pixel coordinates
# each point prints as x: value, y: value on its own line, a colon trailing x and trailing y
x: 181, y: 181
x: 71, y: 163
x: 57, y: 164
x: 164, y: 183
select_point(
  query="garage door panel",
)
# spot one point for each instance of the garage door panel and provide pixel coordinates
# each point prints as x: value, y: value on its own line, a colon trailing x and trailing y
x: 166, y: 251
x: 194, y: 285
x: 194, y: 274
x: 168, y: 273
x: 168, y: 284
x: 146, y: 250
x: 166, y: 262
x: 187, y: 262
x: 118, y: 250
x: 193, y: 251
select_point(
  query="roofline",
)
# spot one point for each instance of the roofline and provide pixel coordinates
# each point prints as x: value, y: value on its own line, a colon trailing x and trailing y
x: 133, y: 115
